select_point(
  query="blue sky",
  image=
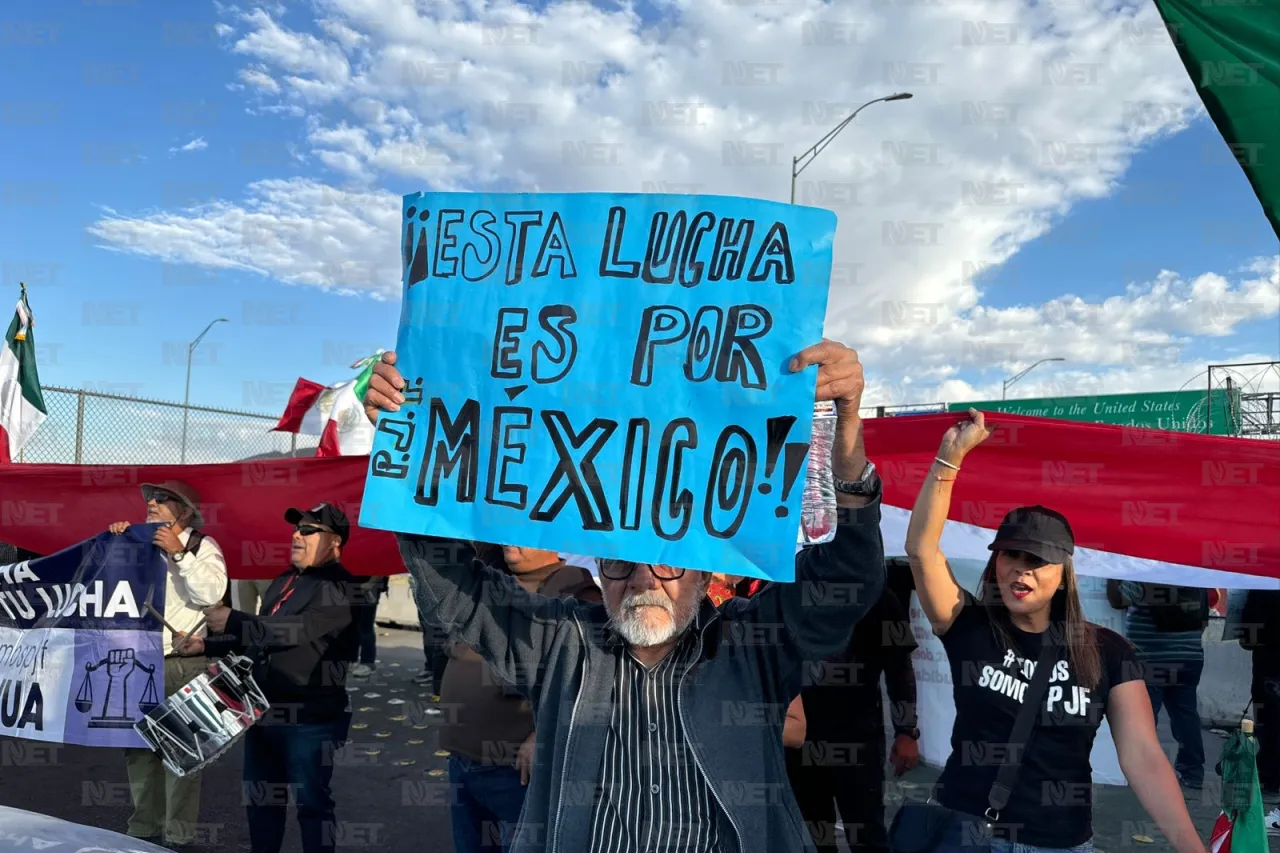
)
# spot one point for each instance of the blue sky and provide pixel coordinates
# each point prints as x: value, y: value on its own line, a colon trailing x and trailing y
x: 125, y: 82
x: 108, y: 89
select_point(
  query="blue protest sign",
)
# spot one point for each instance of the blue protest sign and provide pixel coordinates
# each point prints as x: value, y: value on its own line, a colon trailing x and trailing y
x: 81, y: 658
x: 606, y: 375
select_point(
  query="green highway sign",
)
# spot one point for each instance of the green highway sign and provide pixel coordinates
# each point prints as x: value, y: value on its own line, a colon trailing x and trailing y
x: 1181, y: 411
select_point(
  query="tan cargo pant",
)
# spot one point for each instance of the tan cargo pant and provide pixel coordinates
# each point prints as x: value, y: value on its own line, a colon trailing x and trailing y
x: 164, y: 804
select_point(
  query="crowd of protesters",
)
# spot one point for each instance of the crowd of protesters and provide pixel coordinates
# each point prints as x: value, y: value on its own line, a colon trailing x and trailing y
x: 630, y: 697
x: 666, y: 708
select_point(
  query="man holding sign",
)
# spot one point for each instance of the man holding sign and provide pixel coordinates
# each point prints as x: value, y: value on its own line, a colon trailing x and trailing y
x: 659, y: 716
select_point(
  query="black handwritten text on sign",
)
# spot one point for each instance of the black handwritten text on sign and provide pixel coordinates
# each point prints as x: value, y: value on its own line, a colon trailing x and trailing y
x: 606, y: 375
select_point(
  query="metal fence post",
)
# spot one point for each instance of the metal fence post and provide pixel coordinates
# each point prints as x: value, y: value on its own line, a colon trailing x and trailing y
x: 293, y: 444
x: 79, y: 427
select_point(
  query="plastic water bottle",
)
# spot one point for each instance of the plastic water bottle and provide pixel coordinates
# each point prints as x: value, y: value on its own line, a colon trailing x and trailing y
x: 818, y: 503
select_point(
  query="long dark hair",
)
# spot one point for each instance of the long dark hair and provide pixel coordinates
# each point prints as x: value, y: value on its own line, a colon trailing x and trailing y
x: 1067, y: 624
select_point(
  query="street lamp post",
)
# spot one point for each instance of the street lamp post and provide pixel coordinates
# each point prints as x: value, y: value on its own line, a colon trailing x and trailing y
x: 186, y: 398
x: 822, y: 143
x: 1012, y: 379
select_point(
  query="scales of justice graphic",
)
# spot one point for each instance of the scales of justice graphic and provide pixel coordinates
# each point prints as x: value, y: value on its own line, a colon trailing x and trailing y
x: 120, y: 665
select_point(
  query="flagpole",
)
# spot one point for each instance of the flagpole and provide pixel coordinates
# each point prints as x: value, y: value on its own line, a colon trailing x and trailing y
x: 22, y: 452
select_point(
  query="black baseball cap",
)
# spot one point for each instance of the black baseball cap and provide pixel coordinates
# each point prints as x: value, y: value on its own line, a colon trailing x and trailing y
x: 325, y: 515
x: 1038, y: 531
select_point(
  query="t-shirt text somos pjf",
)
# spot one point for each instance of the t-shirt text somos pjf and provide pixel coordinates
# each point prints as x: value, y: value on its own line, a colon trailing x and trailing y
x: 1052, y: 801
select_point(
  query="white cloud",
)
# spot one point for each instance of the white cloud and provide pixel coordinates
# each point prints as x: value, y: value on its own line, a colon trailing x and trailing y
x: 1142, y: 340
x: 1020, y: 111
x: 316, y: 67
x: 259, y: 79
x: 197, y: 144
x: 297, y: 230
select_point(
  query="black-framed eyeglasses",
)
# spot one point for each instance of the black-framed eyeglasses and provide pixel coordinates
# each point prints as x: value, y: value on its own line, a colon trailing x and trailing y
x: 620, y: 570
x: 163, y: 497
x: 311, y: 529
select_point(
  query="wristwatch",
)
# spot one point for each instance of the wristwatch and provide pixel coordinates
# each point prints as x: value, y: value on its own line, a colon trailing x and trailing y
x: 177, y: 558
x: 863, y: 487
x: 914, y: 734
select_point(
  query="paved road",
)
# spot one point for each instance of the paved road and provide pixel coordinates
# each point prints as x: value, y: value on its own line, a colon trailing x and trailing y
x: 392, y: 786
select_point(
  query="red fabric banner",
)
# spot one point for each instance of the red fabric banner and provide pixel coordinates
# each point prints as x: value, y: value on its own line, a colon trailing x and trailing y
x: 1196, y: 500
x: 1180, y: 498
x: 44, y: 508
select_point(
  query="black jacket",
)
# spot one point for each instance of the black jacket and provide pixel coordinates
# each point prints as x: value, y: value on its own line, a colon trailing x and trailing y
x: 1261, y: 623
x: 301, y: 650
x: 733, y: 699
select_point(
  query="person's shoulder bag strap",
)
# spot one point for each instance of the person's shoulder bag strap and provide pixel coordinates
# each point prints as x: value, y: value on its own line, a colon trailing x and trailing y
x: 1019, y: 740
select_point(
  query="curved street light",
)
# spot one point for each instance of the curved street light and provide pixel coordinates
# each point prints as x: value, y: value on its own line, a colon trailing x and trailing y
x: 1017, y: 376
x: 186, y: 399
x: 822, y: 143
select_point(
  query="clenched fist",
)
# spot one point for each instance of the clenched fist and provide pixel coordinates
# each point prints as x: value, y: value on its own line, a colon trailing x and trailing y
x: 839, y: 373
x: 167, y: 541
x: 217, y: 617
x: 383, y: 393
x: 118, y: 660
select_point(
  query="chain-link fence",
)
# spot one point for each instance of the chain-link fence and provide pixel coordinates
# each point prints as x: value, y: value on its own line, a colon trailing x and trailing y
x: 92, y: 428
x: 89, y: 428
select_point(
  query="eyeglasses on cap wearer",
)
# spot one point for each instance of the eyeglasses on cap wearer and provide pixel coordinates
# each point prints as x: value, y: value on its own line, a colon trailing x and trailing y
x: 163, y: 497
x: 312, y: 529
x: 620, y: 570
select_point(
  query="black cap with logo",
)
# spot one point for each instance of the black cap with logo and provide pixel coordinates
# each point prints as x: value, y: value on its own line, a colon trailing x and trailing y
x: 1038, y: 531
x: 323, y: 515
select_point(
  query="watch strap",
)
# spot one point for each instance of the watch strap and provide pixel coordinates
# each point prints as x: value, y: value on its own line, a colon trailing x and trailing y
x: 864, y: 486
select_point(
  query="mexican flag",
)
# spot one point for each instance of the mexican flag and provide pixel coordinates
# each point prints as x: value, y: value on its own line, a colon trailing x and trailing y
x: 22, y: 407
x: 1231, y: 50
x: 334, y: 412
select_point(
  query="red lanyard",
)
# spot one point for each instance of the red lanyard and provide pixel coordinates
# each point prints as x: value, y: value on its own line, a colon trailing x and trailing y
x: 284, y: 595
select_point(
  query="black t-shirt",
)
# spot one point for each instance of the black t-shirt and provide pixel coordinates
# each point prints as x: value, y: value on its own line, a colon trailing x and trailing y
x: 1052, y: 801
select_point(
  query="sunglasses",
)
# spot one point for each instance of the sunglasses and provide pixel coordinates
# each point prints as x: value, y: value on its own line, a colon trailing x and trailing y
x: 163, y: 498
x: 620, y: 570
x: 311, y: 529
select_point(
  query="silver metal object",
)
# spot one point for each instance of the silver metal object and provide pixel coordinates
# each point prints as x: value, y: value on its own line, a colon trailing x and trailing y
x: 204, y: 718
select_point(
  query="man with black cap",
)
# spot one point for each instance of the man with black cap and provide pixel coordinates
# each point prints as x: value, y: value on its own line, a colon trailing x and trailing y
x: 166, y: 808
x: 302, y: 641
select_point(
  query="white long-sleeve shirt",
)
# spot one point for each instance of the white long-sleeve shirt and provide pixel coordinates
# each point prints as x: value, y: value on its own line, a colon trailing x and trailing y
x: 195, y: 582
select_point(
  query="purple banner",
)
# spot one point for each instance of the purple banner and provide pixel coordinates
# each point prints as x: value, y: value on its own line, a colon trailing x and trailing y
x: 118, y: 677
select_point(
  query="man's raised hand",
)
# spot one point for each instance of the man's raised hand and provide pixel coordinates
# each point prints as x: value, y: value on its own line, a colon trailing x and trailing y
x: 839, y: 378
x: 383, y: 393
x: 839, y: 373
x: 167, y: 540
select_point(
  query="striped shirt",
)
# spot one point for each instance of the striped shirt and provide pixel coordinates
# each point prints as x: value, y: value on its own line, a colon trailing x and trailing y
x: 1153, y: 645
x: 653, y: 797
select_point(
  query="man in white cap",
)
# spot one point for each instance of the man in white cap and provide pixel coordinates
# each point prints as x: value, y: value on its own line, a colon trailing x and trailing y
x: 166, y: 808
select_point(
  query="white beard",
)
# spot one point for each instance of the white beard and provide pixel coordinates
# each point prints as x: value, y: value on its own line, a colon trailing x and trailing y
x: 632, y: 626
